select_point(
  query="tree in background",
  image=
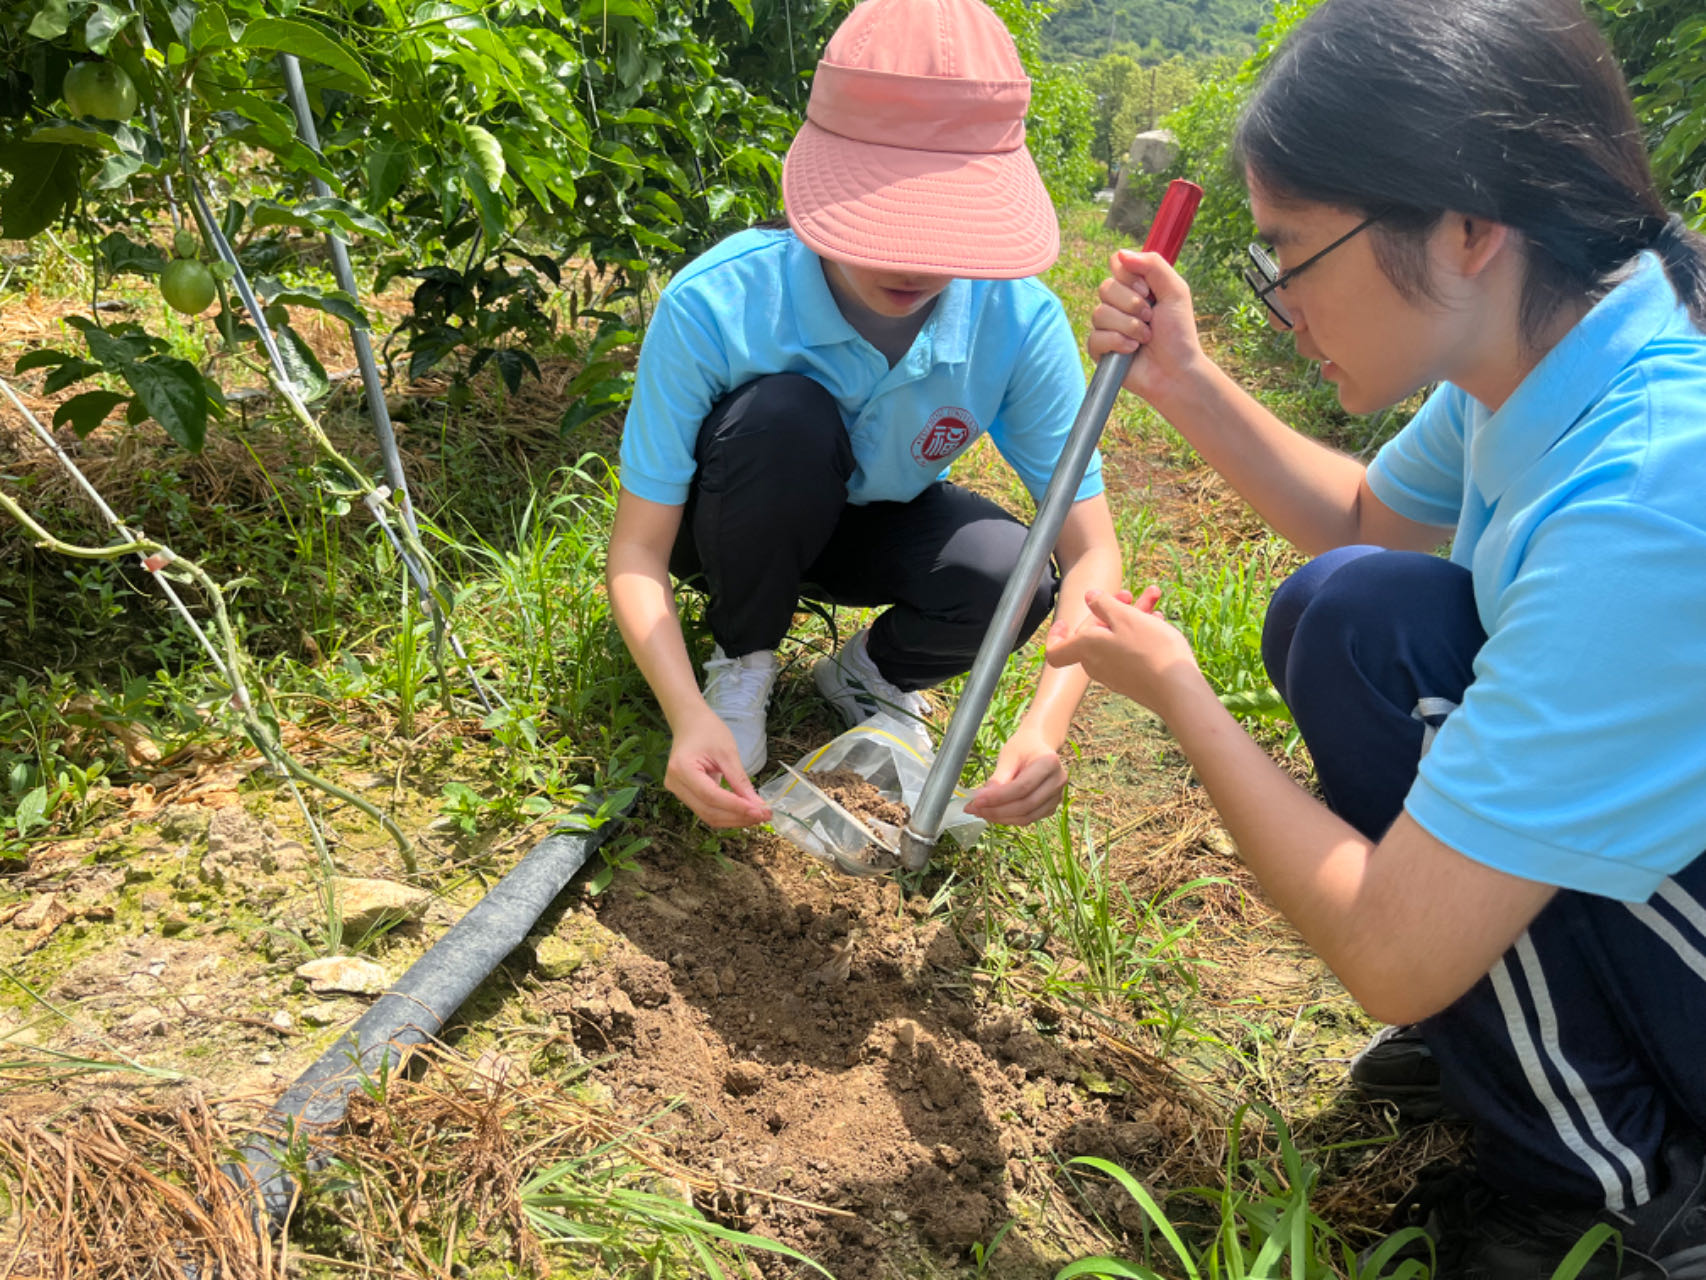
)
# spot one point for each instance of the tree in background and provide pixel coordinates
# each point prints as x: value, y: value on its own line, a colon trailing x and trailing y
x: 1061, y: 127
x: 1083, y: 30
x: 1133, y: 94
x: 1662, y: 45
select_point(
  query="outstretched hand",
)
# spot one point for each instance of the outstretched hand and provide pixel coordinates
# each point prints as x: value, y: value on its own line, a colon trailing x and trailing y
x: 1124, y: 645
x: 1025, y: 786
x: 701, y: 759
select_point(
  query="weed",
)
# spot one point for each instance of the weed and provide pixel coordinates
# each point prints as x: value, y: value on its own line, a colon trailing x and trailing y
x: 1122, y: 953
x: 1220, y: 603
x: 1261, y: 1225
x: 982, y: 1253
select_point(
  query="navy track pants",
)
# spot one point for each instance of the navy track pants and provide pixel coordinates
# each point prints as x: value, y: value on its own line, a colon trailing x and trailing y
x: 768, y: 521
x: 1584, y: 1049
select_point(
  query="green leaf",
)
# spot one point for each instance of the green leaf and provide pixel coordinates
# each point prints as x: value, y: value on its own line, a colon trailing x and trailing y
x: 104, y: 23
x: 300, y: 362
x: 334, y: 302
x: 116, y: 347
x: 488, y: 154
x: 54, y: 19
x: 77, y: 133
x: 601, y: 10
x: 1260, y: 704
x: 31, y: 812
x: 1151, y: 1210
x: 67, y: 373
x: 744, y: 8
x: 174, y: 395
x: 600, y: 401
x: 512, y: 364
x: 387, y: 167
x: 285, y: 35
x: 210, y: 30
x: 323, y: 213
x: 119, y: 253
x: 44, y: 184
x: 487, y: 202
x: 87, y: 411
x: 41, y: 359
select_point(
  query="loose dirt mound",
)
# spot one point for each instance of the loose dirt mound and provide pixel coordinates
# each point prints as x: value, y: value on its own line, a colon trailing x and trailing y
x: 828, y: 1045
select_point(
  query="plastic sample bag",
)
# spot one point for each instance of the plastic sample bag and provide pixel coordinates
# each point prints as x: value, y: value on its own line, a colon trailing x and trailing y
x: 878, y: 751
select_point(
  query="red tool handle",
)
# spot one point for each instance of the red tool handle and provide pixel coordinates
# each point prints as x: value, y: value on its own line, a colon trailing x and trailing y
x: 1173, y: 219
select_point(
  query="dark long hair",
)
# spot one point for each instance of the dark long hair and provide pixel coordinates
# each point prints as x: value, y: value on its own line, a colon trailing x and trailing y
x: 1512, y: 110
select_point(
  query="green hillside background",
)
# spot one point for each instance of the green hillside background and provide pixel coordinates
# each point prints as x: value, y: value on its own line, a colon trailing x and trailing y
x: 1150, y: 30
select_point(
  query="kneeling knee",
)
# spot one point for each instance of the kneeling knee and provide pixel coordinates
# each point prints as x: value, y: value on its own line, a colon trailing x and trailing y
x: 777, y: 402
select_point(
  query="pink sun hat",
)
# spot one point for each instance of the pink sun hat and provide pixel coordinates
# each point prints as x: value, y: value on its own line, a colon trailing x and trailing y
x: 912, y: 157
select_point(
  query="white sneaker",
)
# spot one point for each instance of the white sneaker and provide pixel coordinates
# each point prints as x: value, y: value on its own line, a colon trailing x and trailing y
x: 738, y: 690
x: 852, y: 684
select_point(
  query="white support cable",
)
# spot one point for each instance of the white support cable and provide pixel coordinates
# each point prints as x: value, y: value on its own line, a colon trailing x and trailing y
x: 287, y: 388
x: 153, y: 563
x: 297, y: 94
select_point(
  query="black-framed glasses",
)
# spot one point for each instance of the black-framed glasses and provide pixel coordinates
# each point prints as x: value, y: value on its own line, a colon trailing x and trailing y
x: 1265, y: 278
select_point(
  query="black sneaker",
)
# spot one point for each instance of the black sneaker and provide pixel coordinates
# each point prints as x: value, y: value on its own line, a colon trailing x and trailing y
x: 1479, y: 1233
x: 1398, y: 1067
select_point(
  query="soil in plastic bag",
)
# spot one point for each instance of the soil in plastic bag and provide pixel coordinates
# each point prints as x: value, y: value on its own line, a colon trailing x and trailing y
x: 858, y: 796
x: 874, y: 773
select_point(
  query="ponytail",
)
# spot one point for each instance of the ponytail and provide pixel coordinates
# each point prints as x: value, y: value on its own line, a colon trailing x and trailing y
x: 1684, y: 254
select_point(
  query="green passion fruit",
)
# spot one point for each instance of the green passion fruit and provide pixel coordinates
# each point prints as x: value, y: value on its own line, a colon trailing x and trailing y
x: 99, y: 91
x: 187, y: 286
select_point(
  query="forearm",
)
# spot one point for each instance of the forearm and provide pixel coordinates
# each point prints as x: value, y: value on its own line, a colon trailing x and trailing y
x: 644, y: 607
x: 1060, y: 689
x: 1308, y: 492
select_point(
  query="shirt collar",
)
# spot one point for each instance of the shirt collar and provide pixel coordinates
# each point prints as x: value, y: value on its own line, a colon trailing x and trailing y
x: 945, y: 338
x: 1571, y: 377
x: 820, y: 319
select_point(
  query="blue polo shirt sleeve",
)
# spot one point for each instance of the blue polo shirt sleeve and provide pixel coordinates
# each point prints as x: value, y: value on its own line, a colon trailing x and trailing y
x: 683, y: 371
x: 1419, y: 472
x: 1044, y: 390
x: 1578, y: 757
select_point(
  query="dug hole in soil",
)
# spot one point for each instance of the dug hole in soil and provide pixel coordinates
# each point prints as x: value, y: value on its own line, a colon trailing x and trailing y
x: 829, y: 1043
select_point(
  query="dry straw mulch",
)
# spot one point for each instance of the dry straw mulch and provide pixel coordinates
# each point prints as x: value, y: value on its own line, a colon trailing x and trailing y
x: 123, y: 1191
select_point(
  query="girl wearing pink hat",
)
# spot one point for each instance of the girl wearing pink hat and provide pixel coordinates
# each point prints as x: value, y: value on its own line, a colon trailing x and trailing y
x: 802, y: 392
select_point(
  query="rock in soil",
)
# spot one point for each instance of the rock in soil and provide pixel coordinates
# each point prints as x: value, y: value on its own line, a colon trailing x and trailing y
x: 556, y: 958
x: 344, y: 973
x: 366, y: 905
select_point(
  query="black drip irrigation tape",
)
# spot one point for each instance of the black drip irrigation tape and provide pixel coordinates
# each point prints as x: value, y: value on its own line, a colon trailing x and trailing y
x: 411, y: 1013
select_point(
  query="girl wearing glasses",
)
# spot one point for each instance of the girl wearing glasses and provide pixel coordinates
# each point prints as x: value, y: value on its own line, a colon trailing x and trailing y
x: 1511, y: 738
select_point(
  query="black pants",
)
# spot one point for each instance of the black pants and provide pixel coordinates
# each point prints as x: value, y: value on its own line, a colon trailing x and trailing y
x: 1584, y: 1049
x: 768, y: 521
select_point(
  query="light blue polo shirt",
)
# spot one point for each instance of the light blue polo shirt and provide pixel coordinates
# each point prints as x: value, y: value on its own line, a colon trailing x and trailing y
x: 1578, y: 756
x: 995, y: 356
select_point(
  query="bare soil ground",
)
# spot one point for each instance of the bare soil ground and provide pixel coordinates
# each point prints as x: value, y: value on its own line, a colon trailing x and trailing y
x: 828, y: 1042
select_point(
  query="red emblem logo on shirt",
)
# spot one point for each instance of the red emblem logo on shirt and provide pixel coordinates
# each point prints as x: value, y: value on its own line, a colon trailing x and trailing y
x: 947, y: 432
